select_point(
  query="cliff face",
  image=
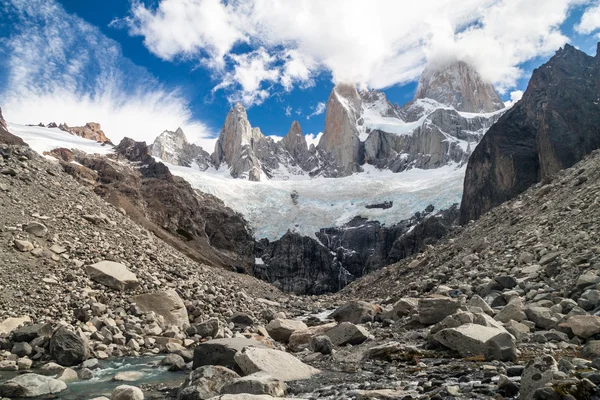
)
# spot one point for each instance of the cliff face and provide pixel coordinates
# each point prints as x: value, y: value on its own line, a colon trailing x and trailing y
x: 174, y: 148
x: 340, y: 136
x: 91, y: 131
x: 5, y: 136
x: 552, y: 127
x: 459, y: 85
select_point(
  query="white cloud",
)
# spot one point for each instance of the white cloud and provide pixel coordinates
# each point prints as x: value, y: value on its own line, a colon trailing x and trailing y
x: 590, y: 20
x: 514, y: 97
x: 318, y: 110
x: 376, y: 43
x: 61, y: 69
x: 288, y: 111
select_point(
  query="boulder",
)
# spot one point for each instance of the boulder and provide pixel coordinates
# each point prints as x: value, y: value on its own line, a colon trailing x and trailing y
x: 245, y: 396
x: 128, y: 376
x: 512, y: 311
x: 321, y: 344
x: 23, y: 245
x: 537, y: 374
x: 405, y: 306
x: 469, y: 339
x: 278, y: 364
x: 356, y: 312
x: 126, y: 392
x: 10, y: 324
x: 584, y: 326
x: 477, y: 301
x: 167, y: 304
x: 175, y: 362
x: 28, y: 333
x: 591, y: 350
x: 281, y: 329
x: 257, y: 383
x: 205, y: 382
x: 501, y: 347
x: 241, y: 320
x: 112, y: 274
x: 67, y: 348
x: 347, y: 333
x: 221, y: 351
x: 68, y: 375
x: 434, y: 309
x: 543, y: 317
x: 300, y: 340
x: 36, y: 229
x: 208, y: 328
x: 31, y: 385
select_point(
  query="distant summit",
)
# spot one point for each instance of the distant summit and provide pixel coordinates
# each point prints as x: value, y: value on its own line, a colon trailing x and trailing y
x: 460, y: 86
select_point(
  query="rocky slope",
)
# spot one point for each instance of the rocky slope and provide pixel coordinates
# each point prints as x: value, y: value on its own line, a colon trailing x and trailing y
x: 5, y: 136
x: 459, y: 85
x: 91, y: 131
x: 552, y: 127
x: 196, y: 223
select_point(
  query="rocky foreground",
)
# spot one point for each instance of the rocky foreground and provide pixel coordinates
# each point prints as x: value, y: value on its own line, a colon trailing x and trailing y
x: 505, y: 307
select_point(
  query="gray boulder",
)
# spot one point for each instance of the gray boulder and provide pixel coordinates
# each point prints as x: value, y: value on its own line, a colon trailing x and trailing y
x: 221, y: 351
x: 126, y: 392
x: 257, y: 383
x: 67, y: 348
x: 281, y: 329
x: 168, y: 304
x: 347, y: 333
x: 321, y: 344
x: 469, y: 339
x: 31, y: 385
x: 434, y: 309
x: 536, y: 375
x: 205, y: 382
x: 279, y: 364
x: 112, y: 274
x: 356, y: 312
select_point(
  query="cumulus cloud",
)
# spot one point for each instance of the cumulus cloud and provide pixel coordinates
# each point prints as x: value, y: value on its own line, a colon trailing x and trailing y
x: 590, y: 20
x: 60, y: 68
x: 375, y: 43
x: 514, y: 97
x: 311, y: 138
x: 318, y: 110
x: 288, y: 111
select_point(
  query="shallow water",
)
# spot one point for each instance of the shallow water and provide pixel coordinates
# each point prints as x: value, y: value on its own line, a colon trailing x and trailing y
x: 102, y: 384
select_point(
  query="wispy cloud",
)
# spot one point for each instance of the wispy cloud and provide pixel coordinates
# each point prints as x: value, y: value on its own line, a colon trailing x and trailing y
x: 288, y: 111
x: 318, y: 110
x: 60, y: 68
x: 377, y: 43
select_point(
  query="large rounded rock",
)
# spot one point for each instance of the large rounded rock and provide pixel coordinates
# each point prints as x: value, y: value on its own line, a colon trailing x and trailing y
x: 281, y: 329
x: 471, y: 339
x: 31, y: 385
x: 279, y: 364
x: 434, y: 309
x: 221, y: 351
x: 126, y: 392
x: 347, y: 333
x: 36, y: 229
x: 168, y: 304
x: 67, y: 348
x: 205, y: 382
x: 584, y: 326
x: 356, y: 312
x: 258, y: 383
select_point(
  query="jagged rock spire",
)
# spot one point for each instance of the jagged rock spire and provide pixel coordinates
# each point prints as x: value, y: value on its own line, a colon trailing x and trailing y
x: 295, y: 142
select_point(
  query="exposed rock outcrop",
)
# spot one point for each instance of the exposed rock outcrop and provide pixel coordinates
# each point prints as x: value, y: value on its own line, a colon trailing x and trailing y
x: 174, y: 148
x: 90, y: 131
x: 458, y: 85
x: 552, y: 127
x: 304, y: 265
x: 5, y: 136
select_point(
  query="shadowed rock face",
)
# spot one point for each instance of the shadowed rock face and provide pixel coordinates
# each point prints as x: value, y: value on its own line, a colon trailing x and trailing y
x: 459, y: 85
x: 174, y: 148
x: 552, y: 127
x: 5, y: 136
x: 340, y: 137
x: 198, y: 224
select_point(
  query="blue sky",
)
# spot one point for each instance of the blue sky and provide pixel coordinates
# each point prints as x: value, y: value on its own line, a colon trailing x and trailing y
x: 139, y: 67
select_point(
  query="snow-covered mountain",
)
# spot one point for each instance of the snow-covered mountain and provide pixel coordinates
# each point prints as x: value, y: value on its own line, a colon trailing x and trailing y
x: 438, y: 128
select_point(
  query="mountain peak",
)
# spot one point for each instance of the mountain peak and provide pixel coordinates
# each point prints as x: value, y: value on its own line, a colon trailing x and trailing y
x: 459, y: 85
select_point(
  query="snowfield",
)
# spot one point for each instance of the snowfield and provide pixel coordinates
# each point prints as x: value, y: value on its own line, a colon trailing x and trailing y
x: 300, y: 203
x: 321, y: 202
